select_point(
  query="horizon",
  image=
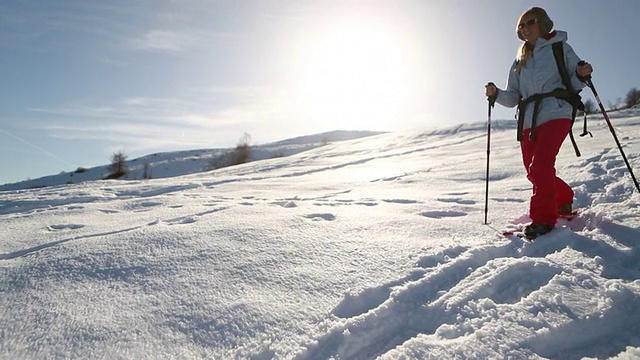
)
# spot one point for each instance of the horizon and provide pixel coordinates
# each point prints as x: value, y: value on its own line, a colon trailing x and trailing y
x: 83, y: 81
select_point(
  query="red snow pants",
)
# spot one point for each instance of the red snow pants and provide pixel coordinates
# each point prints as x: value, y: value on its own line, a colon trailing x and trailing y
x: 539, y: 158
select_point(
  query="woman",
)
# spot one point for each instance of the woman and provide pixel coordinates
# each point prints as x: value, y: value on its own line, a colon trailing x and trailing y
x: 534, y: 76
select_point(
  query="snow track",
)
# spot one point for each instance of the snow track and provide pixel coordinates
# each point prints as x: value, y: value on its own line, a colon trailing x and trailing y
x: 490, y: 291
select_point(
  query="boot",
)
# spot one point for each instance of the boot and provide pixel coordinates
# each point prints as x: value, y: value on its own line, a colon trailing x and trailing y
x: 534, y: 230
x: 565, y: 210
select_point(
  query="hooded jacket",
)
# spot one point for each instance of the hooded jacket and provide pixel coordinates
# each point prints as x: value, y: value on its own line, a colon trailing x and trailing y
x: 540, y: 75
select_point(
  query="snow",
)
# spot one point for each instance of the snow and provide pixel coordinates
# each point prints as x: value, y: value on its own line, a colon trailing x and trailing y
x: 360, y: 249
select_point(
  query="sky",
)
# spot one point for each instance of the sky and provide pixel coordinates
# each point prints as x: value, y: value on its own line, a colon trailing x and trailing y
x: 83, y: 80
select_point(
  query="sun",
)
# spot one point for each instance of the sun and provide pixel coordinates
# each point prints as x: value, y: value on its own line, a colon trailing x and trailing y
x: 357, y: 74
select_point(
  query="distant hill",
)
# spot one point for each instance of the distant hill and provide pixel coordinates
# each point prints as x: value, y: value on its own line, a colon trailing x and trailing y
x: 178, y: 163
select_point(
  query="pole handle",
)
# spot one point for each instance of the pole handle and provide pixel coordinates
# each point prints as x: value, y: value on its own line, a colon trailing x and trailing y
x: 587, y: 79
x: 492, y: 99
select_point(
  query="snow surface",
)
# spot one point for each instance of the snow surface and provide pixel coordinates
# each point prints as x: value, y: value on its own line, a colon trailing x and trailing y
x: 361, y: 249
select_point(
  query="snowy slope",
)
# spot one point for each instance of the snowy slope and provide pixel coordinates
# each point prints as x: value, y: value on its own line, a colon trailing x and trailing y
x: 363, y: 249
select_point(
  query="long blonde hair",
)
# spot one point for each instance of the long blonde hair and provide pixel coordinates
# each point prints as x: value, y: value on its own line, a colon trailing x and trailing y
x: 525, y: 50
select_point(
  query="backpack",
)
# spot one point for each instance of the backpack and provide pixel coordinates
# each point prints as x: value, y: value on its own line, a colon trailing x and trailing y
x: 569, y: 94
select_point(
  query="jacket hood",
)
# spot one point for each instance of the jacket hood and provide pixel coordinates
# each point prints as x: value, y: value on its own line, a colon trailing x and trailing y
x: 553, y: 37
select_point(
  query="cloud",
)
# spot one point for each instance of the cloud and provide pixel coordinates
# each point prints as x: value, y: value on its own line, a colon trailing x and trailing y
x: 148, y: 123
x: 174, y: 41
x: 135, y: 109
x: 163, y: 40
x: 205, y: 117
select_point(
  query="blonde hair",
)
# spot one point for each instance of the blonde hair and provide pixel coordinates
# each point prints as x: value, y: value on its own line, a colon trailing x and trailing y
x: 546, y: 25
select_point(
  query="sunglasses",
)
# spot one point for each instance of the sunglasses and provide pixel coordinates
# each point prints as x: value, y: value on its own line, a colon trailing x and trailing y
x: 527, y: 24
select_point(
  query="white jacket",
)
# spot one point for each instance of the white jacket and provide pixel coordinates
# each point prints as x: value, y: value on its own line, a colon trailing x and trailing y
x: 541, y: 75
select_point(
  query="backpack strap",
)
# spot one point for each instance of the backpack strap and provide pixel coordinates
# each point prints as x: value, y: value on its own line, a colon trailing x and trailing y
x: 575, y: 101
x: 558, y: 53
x: 536, y: 99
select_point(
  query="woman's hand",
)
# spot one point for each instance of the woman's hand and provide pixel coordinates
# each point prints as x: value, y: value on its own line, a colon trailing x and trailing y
x: 491, y: 91
x: 584, y: 69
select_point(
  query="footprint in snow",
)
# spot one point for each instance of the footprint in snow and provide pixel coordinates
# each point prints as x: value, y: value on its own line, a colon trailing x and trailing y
x: 443, y: 214
x: 457, y: 201
x: 319, y: 217
x: 107, y: 211
x: 181, y: 221
x: 515, y: 200
x: 394, y: 177
x: 400, y: 201
x: 59, y: 227
x: 150, y: 204
x: 366, y: 203
x: 285, y: 203
x: 458, y: 193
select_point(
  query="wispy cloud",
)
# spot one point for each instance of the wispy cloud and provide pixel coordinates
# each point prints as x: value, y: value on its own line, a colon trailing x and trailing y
x: 53, y: 25
x: 163, y: 40
x: 178, y: 28
x: 175, y: 41
x: 148, y: 137
x: 146, y: 123
x: 135, y: 109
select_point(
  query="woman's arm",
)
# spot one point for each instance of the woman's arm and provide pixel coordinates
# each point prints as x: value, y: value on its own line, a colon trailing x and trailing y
x: 511, y: 96
x: 572, y: 61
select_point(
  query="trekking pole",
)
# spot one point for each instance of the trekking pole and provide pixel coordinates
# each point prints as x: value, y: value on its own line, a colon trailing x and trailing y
x: 613, y: 132
x: 492, y: 102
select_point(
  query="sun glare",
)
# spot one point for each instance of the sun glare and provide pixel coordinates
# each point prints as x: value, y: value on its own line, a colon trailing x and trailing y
x: 357, y: 74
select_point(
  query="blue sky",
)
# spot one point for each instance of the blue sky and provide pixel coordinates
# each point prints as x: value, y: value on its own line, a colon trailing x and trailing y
x: 81, y: 80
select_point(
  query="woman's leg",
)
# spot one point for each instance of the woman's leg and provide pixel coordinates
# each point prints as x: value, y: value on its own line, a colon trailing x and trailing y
x: 547, y: 188
x: 564, y: 193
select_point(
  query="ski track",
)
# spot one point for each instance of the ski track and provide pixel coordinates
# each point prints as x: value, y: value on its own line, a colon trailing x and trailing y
x: 455, y: 294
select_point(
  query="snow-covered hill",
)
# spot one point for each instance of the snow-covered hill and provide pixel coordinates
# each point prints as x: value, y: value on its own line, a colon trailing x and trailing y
x: 178, y: 163
x: 361, y: 249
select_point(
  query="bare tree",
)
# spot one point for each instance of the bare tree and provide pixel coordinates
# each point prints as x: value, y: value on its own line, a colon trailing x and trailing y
x: 632, y: 98
x: 146, y: 174
x: 242, y: 153
x: 118, y: 167
x: 590, y: 106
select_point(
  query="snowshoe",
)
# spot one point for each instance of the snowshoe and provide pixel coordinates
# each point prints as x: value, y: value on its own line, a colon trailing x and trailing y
x: 535, y: 230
